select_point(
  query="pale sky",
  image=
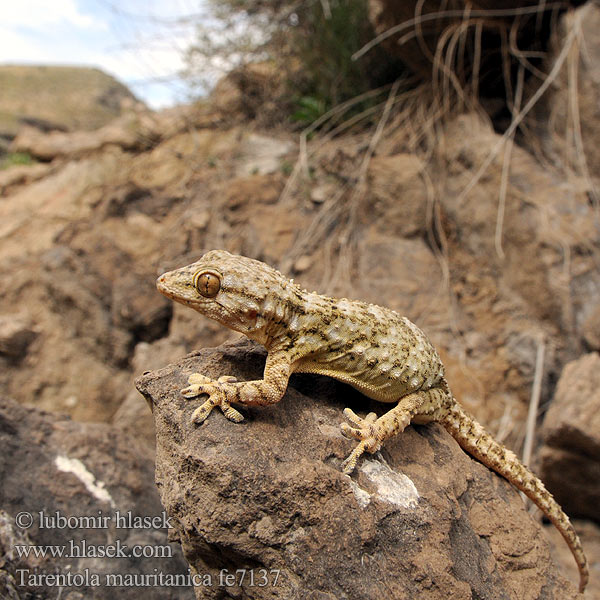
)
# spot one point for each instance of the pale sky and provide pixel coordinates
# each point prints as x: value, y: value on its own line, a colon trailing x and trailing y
x: 140, y: 42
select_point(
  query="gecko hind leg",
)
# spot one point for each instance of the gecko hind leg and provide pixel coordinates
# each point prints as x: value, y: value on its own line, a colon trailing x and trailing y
x: 372, y: 431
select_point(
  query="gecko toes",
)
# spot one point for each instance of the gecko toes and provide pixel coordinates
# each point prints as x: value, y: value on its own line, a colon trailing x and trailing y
x: 350, y: 432
x: 199, y: 378
x: 191, y: 391
x: 201, y: 413
x: 232, y: 414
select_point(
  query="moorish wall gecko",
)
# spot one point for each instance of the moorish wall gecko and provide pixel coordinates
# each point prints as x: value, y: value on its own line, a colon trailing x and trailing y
x: 372, y: 348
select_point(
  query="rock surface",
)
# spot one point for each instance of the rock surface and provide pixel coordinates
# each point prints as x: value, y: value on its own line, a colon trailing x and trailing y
x: 52, y: 468
x: 267, y: 496
x: 61, y: 97
x: 570, y: 457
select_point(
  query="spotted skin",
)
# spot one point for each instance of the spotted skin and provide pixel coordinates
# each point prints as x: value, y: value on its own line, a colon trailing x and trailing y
x: 372, y: 348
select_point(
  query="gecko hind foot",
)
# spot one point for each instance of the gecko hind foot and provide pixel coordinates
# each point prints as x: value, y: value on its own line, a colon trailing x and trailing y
x: 217, y: 396
x: 366, y: 431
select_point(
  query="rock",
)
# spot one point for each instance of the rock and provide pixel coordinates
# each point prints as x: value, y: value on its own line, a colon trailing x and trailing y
x: 267, y: 497
x: 21, y: 174
x: 303, y: 263
x: 570, y: 457
x: 591, y: 329
x: 262, y: 155
x: 403, y: 270
x: 589, y: 534
x: 59, y: 97
x: 134, y: 416
x: 322, y: 193
x: 247, y: 192
x: 129, y: 132
x: 399, y: 194
x: 257, y: 90
x: 55, y: 474
x: 178, y: 157
x: 137, y: 309
x: 16, y: 333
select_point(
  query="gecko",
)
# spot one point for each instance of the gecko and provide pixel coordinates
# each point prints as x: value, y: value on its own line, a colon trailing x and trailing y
x: 374, y: 349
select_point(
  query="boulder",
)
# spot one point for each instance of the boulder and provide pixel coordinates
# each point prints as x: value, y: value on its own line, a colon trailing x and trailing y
x: 16, y: 334
x: 83, y: 490
x: 570, y: 456
x: 262, y: 510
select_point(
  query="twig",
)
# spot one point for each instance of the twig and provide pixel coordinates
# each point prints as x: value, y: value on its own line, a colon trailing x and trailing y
x: 506, y: 169
x: 522, y: 114
x: 534, y: 401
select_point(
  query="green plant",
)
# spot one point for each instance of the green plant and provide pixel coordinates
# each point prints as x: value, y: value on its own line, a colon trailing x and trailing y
x: 16, y: 158
x: 310, y: 45
x: 309, y: 109
x: 287, y: 167
x: 325, y: 41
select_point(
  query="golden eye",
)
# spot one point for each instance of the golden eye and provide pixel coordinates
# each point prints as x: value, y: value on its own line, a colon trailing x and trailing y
x: 207, y: 284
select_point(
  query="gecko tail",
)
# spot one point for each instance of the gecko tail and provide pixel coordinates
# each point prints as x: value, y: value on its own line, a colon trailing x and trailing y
x: 475, y: 440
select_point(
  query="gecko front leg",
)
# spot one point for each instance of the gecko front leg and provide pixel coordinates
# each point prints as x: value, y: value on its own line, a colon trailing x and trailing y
x: 226, y: 389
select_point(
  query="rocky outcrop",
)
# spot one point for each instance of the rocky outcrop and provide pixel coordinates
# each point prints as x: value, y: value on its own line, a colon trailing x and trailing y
x: 266, y: 499
x: 570, y: 457
x: 85, y: 491
x: 135, y: 130
x: 59, y: 98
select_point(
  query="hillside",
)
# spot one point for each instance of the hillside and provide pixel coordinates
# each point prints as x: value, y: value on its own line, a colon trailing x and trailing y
x: 59, y: 97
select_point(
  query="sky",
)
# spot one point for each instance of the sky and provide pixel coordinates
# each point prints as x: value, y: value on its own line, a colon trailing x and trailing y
x: 140, y: 42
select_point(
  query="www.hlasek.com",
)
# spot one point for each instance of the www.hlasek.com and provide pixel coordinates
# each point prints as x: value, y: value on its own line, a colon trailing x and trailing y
x: 83, y: 549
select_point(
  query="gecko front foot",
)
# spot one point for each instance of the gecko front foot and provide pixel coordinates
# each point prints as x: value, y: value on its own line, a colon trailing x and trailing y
x: 218, y: 391
x: 366, y: 431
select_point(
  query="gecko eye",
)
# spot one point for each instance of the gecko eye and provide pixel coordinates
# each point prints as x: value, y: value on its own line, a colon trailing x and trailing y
x: 208, y: 284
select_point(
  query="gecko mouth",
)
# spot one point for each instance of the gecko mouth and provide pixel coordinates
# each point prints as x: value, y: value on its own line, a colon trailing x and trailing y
x: 164, y: 289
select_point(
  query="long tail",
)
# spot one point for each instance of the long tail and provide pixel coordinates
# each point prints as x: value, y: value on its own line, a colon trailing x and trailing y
x: 475, y: 440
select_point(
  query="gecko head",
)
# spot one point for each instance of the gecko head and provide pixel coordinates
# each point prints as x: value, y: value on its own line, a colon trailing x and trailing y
x: 230, y: 289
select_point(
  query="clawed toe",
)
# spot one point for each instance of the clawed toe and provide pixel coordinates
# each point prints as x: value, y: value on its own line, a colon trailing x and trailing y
x: 217, y: 396
x: 198, y: 378
x: 364, y: 427
x: 365, y: 432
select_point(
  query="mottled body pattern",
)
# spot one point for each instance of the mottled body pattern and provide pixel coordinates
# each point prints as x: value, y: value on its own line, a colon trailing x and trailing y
x: 372, y: 348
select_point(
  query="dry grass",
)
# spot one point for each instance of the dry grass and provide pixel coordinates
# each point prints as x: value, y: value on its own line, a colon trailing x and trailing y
x: 415, y: 117
x: 411, y: 118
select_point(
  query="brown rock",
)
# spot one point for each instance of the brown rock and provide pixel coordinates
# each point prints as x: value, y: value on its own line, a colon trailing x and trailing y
x: 589, y: 533
x: 399, y: 194
x: 136, y: 308
x: 129, y: 132
x: 177, y: 158
x: 16, y: 333
x: 53, y: 468
x: 400, y: 273
x: 21, y: 174
x: 262, y: 154
x: 570, y: 457
x: 267, y: 496
x: 59, y: 97
x: 591, y: 329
